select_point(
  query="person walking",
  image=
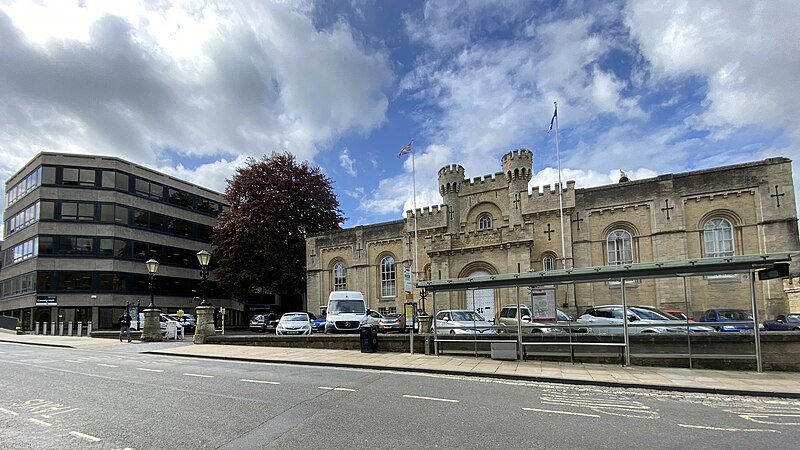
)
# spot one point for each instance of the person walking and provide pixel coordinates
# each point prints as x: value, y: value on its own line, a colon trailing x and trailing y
x: 125, y: 325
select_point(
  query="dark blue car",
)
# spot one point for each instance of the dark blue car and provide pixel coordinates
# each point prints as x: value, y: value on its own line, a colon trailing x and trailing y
x: 318, y: 324
x: 740, y: 320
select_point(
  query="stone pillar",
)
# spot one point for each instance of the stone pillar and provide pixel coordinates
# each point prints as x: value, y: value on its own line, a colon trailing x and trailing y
x: 424, y: 323
x: 204, y: 316
x: 152, y: 325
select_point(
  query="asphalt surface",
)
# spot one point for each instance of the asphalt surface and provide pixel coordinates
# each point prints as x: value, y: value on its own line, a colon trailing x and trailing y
x: 116, y: 397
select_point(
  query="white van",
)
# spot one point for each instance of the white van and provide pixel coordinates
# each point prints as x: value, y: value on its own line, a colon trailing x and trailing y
x: 346, y: 312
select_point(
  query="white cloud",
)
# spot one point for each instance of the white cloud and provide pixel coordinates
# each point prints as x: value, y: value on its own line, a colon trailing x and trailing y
x: 347, y: 163
x: 198, y: 78
x: 747, y: 52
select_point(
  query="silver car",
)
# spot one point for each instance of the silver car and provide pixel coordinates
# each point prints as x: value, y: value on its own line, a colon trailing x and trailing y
x: 508, y: 318
x: 608, y: 319
x: 462, y: 321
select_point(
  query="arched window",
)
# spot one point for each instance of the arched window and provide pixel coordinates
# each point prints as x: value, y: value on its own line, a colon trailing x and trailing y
x: 388, y: 277
x: 485, y: 222
x: 718, y: 238
x: 548, y: 263
x: 339, y: 277
x: 620, y: 250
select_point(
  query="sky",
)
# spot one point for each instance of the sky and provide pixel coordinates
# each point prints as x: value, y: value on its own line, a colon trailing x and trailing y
x: 196, y: 88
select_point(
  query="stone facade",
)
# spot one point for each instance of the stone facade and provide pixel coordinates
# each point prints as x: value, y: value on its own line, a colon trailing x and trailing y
x: 495, y: 224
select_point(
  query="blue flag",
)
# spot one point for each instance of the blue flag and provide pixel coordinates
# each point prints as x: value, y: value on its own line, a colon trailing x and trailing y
x: 555, y: 114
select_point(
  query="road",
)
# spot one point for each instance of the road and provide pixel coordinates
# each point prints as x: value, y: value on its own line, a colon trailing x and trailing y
x: 116, y: 398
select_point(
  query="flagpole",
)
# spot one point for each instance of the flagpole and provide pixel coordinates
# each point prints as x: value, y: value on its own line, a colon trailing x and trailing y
x: 560, y: 194
x: 416, y: 249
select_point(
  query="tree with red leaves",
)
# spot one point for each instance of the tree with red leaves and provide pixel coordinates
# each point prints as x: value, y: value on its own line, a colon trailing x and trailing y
x: 260, y: 242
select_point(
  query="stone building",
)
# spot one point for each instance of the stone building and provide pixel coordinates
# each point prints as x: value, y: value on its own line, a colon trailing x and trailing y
x: 496, y: 224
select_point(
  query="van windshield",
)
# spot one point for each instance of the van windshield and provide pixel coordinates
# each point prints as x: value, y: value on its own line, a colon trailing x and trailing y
x: 346, y: 306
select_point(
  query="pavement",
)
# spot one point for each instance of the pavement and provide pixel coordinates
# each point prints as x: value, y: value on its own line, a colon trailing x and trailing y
x: 766, y: 384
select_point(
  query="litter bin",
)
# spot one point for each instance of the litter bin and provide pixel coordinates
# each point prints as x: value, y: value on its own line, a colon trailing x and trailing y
x: 369, y: 338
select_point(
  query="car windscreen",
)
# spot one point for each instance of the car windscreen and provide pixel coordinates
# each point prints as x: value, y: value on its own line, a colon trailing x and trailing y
x: 562, y: 316
x: 648, y: 314
x: 734, y: 315
x: 346, y: 306
x: 795, y: 318
x: 295, y: 318
x: 466, y: 316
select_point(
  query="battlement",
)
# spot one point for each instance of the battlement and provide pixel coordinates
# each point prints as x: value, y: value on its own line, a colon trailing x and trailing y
x: 426, y: 211
x: 452, y: 169
x: 518, y: 154
x: 489, y: 177
x: 428, y: 217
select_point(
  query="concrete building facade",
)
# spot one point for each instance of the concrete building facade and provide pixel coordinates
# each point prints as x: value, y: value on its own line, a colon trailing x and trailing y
x: 78, y: 230
x: 495, y: 224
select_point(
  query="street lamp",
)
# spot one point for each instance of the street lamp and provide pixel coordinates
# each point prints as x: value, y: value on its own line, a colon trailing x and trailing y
x: 152, y: 267
x: 203, y: 257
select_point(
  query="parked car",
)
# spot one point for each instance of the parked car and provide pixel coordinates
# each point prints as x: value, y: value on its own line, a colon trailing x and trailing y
x: 462, y: 321
x: 294, y: 323
x: 392, y: 322
x: 187, y: 321
x: 608, y: 319
x: 163, y: 320
x: 508, y: 318
x: 678, y: 314
x: 347, y: 311
x: 264, y: 322
x: 787, y: 322
x: 729, y: 319
x: 318, y: 324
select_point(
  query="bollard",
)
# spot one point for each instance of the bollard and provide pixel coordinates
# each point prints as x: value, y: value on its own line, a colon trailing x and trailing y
x: 80, y: 326
x: 89, y: 329
x: 44, y: 328
x: 69, y: 328
x: 61, y: 328
x: 53, y: 328
x: 36, y: 330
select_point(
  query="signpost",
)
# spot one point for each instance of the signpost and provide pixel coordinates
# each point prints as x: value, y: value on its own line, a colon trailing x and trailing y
x: 222, y: 317
x: 46, y: 300
x: 410, y: 310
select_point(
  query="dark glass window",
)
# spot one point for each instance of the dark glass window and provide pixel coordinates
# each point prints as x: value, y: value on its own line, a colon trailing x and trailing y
x: 180, y: 198
x: 147, y: 219
x: 82, y: 177
x: 205, y: 232
x: 47, y: 210
x: 117, y: 248
x: 44, y: 281
x: 113, y: 213
x: 115, y: 180
x: 114, y: 282
x: 74, y: 281
x: 145, y: 251
x: 45, y: 245
x: 180, y: 226
x: 48, y: 175
x: 148, y: 189
x: 207, y: 206
x: 77, y: 211
x: 179, y: 256
x: 75, y: 245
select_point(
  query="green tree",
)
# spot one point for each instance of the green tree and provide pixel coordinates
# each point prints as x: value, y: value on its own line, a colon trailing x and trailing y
x: 260, y: 243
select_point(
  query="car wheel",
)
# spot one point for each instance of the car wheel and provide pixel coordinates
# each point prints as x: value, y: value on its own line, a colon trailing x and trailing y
x: 536, y: 330
x: 795, y: 329
x: 452, y: 331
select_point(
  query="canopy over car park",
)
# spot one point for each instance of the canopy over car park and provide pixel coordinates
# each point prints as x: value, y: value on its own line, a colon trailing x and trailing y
x: 662, y: 269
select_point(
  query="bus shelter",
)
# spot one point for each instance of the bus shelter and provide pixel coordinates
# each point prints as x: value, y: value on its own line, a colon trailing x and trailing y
x: 682, y: 269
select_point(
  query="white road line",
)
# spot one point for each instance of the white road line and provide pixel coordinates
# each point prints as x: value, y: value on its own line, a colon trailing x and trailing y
x: 260, y: 381
x: 85, y: 436
x: 73, y: 361
x: 432, y: 398
x: 106, y: 365
x: 198, y: 375
x: 9, y: 412
x: 560, y: 412
x: 41, y: 422
x: 337, y: 389
x: 728, y: 429
x: 149, y: 370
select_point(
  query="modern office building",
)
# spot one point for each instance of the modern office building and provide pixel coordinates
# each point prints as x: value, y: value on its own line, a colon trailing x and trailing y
x: 79, y: 229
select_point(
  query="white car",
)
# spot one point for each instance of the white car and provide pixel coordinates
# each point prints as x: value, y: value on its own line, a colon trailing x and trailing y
x: 508, y: 318
x: 163, y: 320
x: 462, y: 321
x: 294, y: 323
x: 608, y: 319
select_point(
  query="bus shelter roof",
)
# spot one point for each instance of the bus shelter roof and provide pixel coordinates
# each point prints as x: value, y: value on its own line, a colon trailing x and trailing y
x: 661, y: 269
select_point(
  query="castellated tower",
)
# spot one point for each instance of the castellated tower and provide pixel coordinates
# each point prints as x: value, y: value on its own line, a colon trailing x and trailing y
x: 450, y: 179
x: 517, y: 168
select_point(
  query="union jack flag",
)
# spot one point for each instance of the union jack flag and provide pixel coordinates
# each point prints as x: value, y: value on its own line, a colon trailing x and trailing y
x: 406, y: 149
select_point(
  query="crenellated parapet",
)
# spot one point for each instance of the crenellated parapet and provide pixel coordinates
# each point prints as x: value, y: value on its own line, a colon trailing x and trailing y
x: 428, y: 217
x: 546, y: 198
x: 485, y: 183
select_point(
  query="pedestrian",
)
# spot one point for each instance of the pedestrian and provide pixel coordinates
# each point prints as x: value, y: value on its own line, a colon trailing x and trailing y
x: 125, y: 325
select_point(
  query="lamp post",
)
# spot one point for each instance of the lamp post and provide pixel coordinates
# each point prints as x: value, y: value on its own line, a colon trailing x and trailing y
x: 203, y: 257
x: 152, y: 267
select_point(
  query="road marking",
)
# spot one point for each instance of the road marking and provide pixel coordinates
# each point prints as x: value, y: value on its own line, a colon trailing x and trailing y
x: 337, y: 389
x: 561, y: 412
x: 106, y: 365
x: 198, y: 375
x: 9, y: 412
x: 260, y: 381
x: 432, y: 398
x: 41, y: 422
x: 728, y: 429
x: 149, y: 370
x: 85, y: 436
x: 73, y: 361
